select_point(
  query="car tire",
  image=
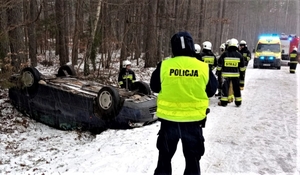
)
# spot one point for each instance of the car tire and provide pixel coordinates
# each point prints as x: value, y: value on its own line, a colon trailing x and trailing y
x: 66, y: 70
x: 279, y: 67
x: 30, y: 78
x: 142, y: 87
x: 108, y: 102
x: 255, y: 66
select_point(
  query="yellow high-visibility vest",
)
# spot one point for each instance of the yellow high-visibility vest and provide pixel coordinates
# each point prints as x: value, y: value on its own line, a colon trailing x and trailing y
x: 183, y: 83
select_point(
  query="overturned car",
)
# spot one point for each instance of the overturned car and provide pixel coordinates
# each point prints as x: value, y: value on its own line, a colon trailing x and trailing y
x: 65, y: 102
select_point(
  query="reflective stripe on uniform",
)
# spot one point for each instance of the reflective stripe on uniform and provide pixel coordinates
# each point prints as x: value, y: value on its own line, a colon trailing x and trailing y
x: 293, y: 55
x: 241, y: 82
x: 224, y: 99
x: 238, y: 98
x: 242, y: 69
x: 120, y: 82
x: 248, y: 58
x: 129, y: 76
x: 230, y: 74
x: 293, y: 62
x: 231, y: 62
x: 219, y: 68
x: 208, y: 59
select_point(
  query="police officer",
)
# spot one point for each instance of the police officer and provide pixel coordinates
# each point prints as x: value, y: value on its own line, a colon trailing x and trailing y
x: 126, y: 76
x: 220, y: 79
x: 207, y: 56
x: 184, y: 85
x: 293, y: 60
x: 232, y: 68
x: 247, y: 56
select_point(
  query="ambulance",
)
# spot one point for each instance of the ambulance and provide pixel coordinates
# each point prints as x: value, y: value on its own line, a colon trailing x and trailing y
x: 267, y: 52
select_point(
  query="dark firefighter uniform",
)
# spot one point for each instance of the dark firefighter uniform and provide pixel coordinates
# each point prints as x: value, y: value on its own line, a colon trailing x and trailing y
x: 208, y: 57
x: 293, y: 61
x: 232, y: 68
x: 184, y: 85
x: 247, y: 56
x: 126, y: 78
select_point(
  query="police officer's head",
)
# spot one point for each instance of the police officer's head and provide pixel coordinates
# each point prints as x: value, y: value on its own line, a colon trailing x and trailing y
x: 182, y: 44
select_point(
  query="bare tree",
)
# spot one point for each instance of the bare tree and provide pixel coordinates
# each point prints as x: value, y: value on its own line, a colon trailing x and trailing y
x: 61, y: 32
x: 32, y: 33
x: 16, y: 34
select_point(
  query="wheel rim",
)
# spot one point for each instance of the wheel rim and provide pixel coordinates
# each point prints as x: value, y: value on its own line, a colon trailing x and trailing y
x: 27, y: 78
x: 105, y: 100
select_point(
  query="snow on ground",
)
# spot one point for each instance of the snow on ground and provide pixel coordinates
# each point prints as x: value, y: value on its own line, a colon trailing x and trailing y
x: 260, y: 137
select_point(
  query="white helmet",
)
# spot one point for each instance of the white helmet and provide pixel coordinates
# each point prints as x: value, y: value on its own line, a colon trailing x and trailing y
x: 223, y: 46
x: 197, y: 48
x: 243, y: 42
x: 227, y: 42
x: 126, y: 63
x: 295, y: 49
x: 233, y: 42
x: 206, y: 45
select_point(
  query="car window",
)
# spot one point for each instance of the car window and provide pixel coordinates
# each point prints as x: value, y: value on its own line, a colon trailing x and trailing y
x: 268, y: 47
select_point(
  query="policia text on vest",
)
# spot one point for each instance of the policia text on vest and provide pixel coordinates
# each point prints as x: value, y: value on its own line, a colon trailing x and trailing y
x: 183, y: 73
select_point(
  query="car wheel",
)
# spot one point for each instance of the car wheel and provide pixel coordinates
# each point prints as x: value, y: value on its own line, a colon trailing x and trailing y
x: 66, y: 70
x: 279, y: 67
x: 255, y: 66
x: 142, y: 87
x: 30, y: 78
x: 108, y: 102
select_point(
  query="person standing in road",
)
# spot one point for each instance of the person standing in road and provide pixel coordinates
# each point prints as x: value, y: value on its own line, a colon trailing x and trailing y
x: 126, y: 76
x: 183, y: 84
x: 197, y: 51
x: 247, y: 56
x: 207, y: 56
x: 232, y: 68
x: 293, y: 60
x: 220, y: 79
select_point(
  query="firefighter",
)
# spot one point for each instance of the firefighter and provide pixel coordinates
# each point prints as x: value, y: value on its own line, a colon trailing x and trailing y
x: 126, y: 76
x: 247, y: 56
x: 197, y: 51
x: 207, y: 56
x: 184, y: 85
x: 232, y: 68
x: 226, y: 44
x: 220, y: 79
x: 293, y: 60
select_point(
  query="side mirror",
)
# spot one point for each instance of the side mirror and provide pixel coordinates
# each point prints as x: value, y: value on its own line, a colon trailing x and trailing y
x: 282, y: 51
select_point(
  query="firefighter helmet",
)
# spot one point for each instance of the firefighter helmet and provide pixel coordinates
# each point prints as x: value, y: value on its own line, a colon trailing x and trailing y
x: 295, y: 49
x: 207, y: 45
x: 126, y: 63
x: 197, y: 48
x: 243, y: 42
x: 222, y: 46
x: 233, y: 42
x: 227, y: 42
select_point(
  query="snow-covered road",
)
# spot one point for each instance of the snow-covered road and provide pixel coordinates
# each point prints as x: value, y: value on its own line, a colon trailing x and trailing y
x: 260, y: 137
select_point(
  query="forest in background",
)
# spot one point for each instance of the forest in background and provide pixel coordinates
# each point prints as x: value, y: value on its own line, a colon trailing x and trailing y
x: 136, y: 28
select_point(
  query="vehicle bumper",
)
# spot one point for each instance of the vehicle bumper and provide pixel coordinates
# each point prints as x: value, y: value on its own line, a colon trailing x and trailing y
x: 267, y: 63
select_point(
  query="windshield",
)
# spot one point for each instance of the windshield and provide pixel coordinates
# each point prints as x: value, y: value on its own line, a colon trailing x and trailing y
x: 268, y: 47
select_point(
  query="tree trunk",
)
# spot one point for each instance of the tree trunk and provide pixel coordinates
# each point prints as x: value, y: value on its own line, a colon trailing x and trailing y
x: 16, y: 35
x: 150, y: 60
x: 61, y: 33
x: 32, y: 33
x: 76, y: 32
